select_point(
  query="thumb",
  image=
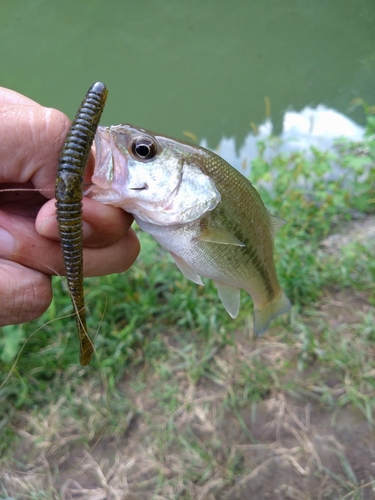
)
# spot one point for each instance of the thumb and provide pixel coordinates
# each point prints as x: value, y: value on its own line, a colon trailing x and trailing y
x: 25, y: 294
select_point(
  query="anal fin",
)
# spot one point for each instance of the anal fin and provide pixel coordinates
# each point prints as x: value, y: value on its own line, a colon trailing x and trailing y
x: 230, y: 297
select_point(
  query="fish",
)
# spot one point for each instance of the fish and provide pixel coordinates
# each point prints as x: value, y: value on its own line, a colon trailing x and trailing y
x: 204, y: 212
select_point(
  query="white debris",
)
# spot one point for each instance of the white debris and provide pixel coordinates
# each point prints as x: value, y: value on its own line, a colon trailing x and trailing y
x: 312, y: 127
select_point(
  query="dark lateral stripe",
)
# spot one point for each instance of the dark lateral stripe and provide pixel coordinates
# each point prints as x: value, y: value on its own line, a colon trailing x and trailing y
x: 250, y: 251
x: 252, y: 254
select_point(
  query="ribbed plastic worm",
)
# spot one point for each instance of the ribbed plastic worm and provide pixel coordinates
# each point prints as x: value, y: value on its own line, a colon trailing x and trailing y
x: 69, y: 192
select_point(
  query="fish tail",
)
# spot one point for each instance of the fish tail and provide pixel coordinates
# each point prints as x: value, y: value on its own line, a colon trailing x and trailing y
x: 263, y: 316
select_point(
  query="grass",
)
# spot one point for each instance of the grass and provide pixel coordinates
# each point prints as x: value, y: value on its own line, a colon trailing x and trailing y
x: 181, y: 401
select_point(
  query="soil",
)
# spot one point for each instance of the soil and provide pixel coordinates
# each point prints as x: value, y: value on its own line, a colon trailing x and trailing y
x: 290, y: 445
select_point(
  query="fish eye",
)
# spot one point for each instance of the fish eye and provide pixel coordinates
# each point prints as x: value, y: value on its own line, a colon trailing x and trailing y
x: 144, y: 148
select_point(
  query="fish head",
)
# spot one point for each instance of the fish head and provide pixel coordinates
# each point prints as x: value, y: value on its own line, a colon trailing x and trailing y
x: 156, y: 178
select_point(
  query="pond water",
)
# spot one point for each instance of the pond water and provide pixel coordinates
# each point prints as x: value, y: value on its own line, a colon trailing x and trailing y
x: 208, y: 67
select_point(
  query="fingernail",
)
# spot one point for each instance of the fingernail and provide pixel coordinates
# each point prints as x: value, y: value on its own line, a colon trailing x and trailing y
x: 7, y: 243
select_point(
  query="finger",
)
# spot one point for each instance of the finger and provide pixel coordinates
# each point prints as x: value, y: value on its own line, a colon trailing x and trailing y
x: 25, y: 293
x: 8, y: 96
x: 116, y: 258
x: 32, y: 137
x: 42, y: 254
x: 31, y: 141
x: 103, y: 225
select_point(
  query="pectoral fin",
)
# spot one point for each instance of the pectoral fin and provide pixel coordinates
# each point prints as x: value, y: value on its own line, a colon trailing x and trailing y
x: 221, y: 236
x: 187, y: 271
x: 230, y: 297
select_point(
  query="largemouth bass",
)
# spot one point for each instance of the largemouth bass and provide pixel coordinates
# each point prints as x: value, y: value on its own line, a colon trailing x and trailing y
x: 199, y: 208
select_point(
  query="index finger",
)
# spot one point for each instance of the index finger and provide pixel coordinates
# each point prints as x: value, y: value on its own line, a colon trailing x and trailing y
x: 12, y: 97
x: 31, y: 140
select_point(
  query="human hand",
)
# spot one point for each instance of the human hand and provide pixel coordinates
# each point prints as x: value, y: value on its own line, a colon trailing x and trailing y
x: 31, y: 141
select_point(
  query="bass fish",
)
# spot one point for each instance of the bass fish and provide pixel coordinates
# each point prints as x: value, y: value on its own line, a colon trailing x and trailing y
x: 199, y: 208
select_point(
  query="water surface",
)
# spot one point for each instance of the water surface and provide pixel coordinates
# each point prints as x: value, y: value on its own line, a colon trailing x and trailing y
x: 202, y: 66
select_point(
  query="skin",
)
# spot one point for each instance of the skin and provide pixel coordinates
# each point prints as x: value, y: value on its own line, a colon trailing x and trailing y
x: 31, y: 140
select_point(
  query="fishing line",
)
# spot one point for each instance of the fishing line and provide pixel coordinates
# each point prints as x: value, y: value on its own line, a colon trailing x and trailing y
x: 41, y: 190
x: 25, y: 343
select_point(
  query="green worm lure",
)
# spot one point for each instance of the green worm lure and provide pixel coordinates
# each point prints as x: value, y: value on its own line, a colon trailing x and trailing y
x: 69, y: 192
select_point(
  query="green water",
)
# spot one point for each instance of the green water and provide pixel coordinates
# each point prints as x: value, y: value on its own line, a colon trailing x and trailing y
x: 199, y: 65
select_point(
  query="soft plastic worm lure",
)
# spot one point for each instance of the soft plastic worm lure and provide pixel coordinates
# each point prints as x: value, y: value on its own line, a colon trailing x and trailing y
x: 69, y: 192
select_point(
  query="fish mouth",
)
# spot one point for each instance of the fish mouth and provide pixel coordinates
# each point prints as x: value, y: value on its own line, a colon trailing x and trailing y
x: 176, y: 193
x: 110, y: 165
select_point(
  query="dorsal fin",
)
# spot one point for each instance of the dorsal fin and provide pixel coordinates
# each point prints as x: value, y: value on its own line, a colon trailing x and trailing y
x: 276, y: 224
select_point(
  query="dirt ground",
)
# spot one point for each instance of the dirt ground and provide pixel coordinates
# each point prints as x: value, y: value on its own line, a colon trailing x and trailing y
x: 289, y: 446
x: 292, y: 447
x: 286, y: 447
